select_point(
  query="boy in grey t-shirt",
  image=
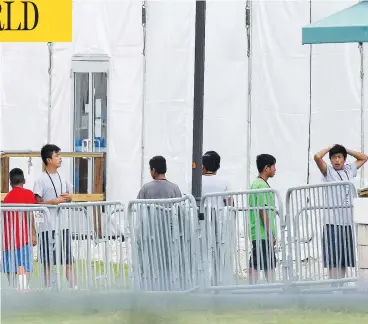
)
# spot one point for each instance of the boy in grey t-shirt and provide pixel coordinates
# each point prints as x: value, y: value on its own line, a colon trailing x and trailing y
x: 159, y: 188
x: 51, y: 189
x: 338, y: 243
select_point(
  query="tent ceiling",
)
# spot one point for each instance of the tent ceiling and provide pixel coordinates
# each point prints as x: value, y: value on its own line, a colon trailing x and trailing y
x: 347, y: 26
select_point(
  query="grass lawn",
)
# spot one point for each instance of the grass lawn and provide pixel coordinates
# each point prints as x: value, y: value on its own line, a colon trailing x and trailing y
x: 117, y: 274
x: 97, y: 267
x: 197, y: 317
x: 116, y: 314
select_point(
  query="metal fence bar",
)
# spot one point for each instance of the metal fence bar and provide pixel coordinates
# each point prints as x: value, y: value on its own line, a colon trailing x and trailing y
x: 64, y: 249
x: 165, y: 244
x: 235, y: 234
x: 18, y: 236
x: 244, y: 244
x: 320, y: 222
x: 90, y: 236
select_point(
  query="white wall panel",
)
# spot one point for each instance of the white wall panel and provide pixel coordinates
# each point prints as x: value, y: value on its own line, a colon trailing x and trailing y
x: 24, y: 102
x: 280, y: 84
x: 335, y: 91
x: 24, y: 70
x: 116, y: 31
x: 280, y: 99
x: 61, y: 130
x: 226, y: 89
x: 169, y: 88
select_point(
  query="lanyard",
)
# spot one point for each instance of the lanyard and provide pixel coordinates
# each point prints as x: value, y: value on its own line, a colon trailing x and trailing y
x: 338, y: 173
x: 347, y: 176
x: 265, y: 181
x: 61, y: 184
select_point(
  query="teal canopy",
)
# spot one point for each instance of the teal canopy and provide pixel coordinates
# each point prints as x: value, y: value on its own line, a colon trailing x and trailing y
x: 347, y: 26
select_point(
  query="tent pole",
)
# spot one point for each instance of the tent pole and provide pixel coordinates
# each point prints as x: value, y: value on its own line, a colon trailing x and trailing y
x: 199, y: 65
x: 362, y: 147
x: 144, y: 20
x: 310, y: 97
x: 49, y: 98
x: 248, y: 22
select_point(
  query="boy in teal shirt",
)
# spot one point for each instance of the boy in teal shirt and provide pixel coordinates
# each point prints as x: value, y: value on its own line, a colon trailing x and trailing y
x: 262, y: 221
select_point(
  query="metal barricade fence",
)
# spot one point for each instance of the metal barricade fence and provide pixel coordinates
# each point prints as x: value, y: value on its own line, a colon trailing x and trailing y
x: 321, y: 236
x: 164, y: 238
x: 90, y: 248
x: 19, y: 241
x: 75, y: 245
x: 159, y: 245
x: 239, y: 249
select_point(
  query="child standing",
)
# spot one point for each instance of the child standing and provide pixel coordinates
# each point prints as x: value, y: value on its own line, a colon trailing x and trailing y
x: 262, y: 222
x: 17, y: 251
x: 338, y: 241
x: 52, y: 189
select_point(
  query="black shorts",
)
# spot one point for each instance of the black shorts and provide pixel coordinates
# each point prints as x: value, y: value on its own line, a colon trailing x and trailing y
x: 48, y: 245
x: 265, y: 258
x: 338, y: 246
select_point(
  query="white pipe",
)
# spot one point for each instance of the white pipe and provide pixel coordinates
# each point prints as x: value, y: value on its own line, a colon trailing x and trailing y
x: 249, y: 117
x: 362, y: 147
x: 144, y: 18
x: 50, y: 48
x: 310, y: 96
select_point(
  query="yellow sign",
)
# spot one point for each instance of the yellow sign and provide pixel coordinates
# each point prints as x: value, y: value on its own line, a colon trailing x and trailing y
x: 36, y: 21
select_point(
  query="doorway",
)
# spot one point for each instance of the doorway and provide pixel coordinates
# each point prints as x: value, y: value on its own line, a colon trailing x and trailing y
x: 90, y: 101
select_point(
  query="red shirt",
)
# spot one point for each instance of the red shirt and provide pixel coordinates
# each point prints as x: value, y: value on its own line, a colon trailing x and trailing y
x: 12, y: 225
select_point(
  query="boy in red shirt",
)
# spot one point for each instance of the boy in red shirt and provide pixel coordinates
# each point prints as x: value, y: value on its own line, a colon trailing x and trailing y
x: 17, y: 251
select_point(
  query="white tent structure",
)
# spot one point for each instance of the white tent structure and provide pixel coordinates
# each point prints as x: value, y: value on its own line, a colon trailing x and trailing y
x: 285, y: 99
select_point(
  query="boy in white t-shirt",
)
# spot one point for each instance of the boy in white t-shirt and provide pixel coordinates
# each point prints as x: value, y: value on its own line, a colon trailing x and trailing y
x: 52, y: 189
x: 222, y: 224
x: 338, y: 243
x: 211, y: 183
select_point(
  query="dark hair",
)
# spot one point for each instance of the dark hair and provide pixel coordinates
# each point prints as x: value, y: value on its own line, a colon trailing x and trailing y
x: 159, y: 164
x: 16, y: 176
x: 338, y: 149
x: 211, y: 161
x: 47, y: 151
x: 265, y: 160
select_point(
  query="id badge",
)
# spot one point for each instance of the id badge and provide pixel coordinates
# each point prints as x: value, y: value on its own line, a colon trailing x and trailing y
x: 39, y: 217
